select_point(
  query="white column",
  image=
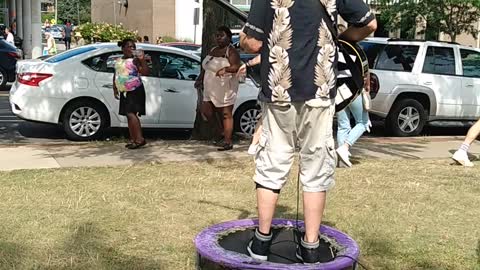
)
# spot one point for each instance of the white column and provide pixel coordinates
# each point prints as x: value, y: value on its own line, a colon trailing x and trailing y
x: 36, y: 29
x: 11, y: 12
x: 27, y: 28
x: 19, y: 5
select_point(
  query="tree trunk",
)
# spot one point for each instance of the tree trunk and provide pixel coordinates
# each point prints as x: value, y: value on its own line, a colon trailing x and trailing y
x: 213, y: 16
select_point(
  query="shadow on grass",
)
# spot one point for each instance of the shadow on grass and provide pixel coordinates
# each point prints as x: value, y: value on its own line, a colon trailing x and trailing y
x: 478, y: 253
x: 84, y: 249
x: 11, y: 255
x: 243, y: 212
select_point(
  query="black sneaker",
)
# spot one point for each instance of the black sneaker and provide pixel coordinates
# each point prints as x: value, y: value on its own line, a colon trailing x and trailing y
x: 259, y: 246
x: 307, y: 255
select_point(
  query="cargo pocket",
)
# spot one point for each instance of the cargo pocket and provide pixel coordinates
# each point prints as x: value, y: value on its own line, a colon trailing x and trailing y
x: 331, y: 156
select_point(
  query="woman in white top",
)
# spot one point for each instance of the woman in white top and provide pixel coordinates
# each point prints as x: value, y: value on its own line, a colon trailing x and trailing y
x: 10, y: 38
x: 220, y: 83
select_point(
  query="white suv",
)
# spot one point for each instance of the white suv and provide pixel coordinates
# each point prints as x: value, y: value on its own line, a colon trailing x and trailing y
x: 423, y: 81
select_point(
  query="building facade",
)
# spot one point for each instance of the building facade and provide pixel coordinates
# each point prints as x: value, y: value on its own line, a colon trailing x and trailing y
x: 153, y: 18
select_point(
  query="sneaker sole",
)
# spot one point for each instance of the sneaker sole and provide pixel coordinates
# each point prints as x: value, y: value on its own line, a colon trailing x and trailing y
x: 461, y: 162
x: 256, y: 256
x: 348, y: 163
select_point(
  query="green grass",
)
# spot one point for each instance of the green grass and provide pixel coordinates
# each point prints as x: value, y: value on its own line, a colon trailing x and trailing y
x: 409, y: 214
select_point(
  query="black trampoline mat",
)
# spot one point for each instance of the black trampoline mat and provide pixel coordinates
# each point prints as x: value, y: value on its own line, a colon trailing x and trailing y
x: 283, y: 247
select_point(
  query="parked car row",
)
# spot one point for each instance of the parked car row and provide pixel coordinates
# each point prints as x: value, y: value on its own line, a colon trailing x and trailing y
x: 74, y: 89
x: 417, y: 82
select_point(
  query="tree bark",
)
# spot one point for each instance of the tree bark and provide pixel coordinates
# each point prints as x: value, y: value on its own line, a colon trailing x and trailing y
x: 213, y: 16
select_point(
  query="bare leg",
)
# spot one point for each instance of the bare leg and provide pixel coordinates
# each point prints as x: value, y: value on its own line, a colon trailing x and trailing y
x: 227, y: 123
x: 473, y: 133
x: 135, y: 126
x: 266, y: 201
x: 313, y: 206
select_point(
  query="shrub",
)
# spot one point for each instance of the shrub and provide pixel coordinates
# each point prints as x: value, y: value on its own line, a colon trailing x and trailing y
x: 104, y: 32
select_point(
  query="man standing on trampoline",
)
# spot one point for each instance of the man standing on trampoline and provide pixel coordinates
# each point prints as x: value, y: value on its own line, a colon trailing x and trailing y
x: 298, y: 93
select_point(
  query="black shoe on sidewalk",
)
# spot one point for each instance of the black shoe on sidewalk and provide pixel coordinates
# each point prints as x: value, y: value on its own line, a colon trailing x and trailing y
x: 259, y: 246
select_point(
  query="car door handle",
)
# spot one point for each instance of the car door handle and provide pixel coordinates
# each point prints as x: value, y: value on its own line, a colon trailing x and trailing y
x: 108, y: 85
x: 171, y: 90
x: 427, y: 83
x: 469, y: 85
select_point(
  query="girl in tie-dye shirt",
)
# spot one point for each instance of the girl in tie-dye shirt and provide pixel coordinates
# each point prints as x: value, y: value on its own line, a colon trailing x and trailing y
x: 128, y: 87
x: 126, y: 75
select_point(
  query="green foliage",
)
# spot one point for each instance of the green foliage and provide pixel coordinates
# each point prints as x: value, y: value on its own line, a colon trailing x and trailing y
x: 104, y: 32
x: 451, y: 17
x: 47, y: 16
x: 74, y: 10
x: 167, y: 39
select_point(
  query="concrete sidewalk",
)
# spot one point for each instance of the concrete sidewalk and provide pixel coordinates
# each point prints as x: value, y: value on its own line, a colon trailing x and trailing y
x: 38, y: 156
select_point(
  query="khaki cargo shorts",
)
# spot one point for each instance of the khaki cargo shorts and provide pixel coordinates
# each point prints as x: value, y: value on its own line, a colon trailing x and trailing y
x: 284, y: 127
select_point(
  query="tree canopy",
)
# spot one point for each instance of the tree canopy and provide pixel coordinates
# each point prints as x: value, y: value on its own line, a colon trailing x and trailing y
x: 451, y: 17
x: 73, y: 10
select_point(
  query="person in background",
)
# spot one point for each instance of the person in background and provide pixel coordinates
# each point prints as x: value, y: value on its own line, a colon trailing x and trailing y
x: 9, y: 36
x: 220, y: 83
x: 146, y: 39
x: 461, y: 155
x: 128, y: 87
x: 346, y: 135
x: 139, y: 39
x: 67, y: 35
x: 51, y: 48
x: 14, y: 27
x: 159, y: 40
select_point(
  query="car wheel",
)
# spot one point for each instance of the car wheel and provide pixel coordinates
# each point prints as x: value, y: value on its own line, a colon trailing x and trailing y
x: 3, y: 78
x: 83, y: 121
x: 406, y: 118
x: 246, y: 118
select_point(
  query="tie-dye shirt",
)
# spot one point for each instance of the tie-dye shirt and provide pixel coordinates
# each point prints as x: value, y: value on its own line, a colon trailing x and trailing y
x: 127, y: 77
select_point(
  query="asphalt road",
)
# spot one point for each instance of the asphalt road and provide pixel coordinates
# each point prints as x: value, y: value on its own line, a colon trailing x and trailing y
x: 14, y: 130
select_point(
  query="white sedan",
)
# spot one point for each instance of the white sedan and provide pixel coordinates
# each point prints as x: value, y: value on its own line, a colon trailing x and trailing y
x: 74, y: 89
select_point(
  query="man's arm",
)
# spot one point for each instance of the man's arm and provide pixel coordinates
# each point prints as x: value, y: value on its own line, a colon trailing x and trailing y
x: 361, y: 20
x: 355, y: 33
x: 253, y: 33
x: 250, y: 44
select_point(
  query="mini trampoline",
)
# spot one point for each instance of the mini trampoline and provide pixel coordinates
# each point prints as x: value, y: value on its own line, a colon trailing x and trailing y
x: 224, y: 246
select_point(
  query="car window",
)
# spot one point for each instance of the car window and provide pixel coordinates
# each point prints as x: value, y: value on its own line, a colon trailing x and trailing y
x: 397, y: 58
x: 372, y: 50
x: 106, y: 62
x: 173, y: 66
x: 69, y: 54
x: 439, y: 60
x: 471, y: 63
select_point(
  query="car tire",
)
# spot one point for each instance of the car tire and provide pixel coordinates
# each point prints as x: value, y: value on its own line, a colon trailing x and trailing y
x: 3, y: 78
x: 84, y: 120
x: 246, y: 118
x: 406, y: 118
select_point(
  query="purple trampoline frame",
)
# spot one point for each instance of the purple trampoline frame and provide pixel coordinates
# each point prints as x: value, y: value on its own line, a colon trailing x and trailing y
x: 207, y: 246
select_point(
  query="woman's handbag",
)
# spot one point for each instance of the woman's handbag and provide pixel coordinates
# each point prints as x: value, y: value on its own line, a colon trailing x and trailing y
x: 367, y: 100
